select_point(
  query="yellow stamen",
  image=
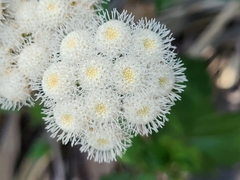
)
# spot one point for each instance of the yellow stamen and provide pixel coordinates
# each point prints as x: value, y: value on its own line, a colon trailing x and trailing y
x: 53, y: 80
x: 100, y: 108
x: 72, y: 43
x: 149, y: 44
x: 162, y: 81
x: 128, y: 74
x: 51, y: 7
x: 67, y: 119
x: 111, y: 33
x: 92, y: 72
x: 102, y: 142
x: 143, y: 111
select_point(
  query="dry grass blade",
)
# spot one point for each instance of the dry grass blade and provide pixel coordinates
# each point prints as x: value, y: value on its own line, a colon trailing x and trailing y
x: 215, y: 29
x: 9, y: 147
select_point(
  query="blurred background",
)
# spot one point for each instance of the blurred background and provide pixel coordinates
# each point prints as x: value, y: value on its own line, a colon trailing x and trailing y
x: 201, y: 141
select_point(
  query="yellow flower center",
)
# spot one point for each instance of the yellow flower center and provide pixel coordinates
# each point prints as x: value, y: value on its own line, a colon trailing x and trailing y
x: 92, y: 72
x: 51, y: 7
x: 111, y: 33
x: 162, y: 81
x: 128, y: 74
x: 143, y: 111
x: 67, y: 119
x: 149, y: 44
x: 72, y: 43
x: 53, y: 80
x: 102, y: 142
x: 100, y: 108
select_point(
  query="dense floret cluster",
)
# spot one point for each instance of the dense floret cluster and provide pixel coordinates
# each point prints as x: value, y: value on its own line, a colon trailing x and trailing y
x: 102, y: 77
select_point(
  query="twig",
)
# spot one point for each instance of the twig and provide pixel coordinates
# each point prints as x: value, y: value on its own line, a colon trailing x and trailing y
x: 215, y: 29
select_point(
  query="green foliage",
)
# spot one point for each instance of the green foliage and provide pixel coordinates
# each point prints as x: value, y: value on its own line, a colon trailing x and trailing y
x: 196, y: 138
x: 36, y: 115
x: 127, y: 176
x: 163, y: 4
x: 38, y: 149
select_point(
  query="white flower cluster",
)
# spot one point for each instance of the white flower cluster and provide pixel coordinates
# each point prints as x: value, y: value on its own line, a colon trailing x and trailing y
x: 101, y: 78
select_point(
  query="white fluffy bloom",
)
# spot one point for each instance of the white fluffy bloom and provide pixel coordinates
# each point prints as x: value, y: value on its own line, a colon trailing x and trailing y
x: 51, y: 13
x: 94, y: 73
x: 103, y: 106
x: 32, y: 61
x: 101, y: 78
x: 58, y: 82
x: 165, y: 79
x: 128, y: 75
x: 76, y: 45
x: 65, y: 120
x: 105, y: 143
x: 145, y: 112
x: 113, y: 34
x: 10, y: 37
x: 43, y: 38
x: 14, y: 90
x: 147, y: 43
x: 151, y: 40
x: 83, y: 10
x: 25, y: 16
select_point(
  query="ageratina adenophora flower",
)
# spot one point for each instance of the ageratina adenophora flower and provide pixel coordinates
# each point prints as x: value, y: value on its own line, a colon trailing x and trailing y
x: 124, y: 79
x: 102, y: 79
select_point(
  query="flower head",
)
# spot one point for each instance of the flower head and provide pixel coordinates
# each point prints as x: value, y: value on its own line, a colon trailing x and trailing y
x: 105, y: 143
x: 66, y: 120
x: 113, y: 34
x: 145, y: 112
x: 103, y: 106
x: 32, y: 61
x: 95, y: 73
x: 14, y: 90
x: 76, y: 45
x: 101, y: 77
x: 58, y: 82
x: 128, y: 75
x: 25, y: 16
x: 50, y: 13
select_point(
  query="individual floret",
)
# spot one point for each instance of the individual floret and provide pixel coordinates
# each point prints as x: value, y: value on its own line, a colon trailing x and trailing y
x: 33, y: 60
x: 151, y: 40
x: 103, y: 106
x: 65, y: 120
x: 14, y: 90
x: 25, y: 16
x: 145, y: 113
x: 76, y: 45
x: 166, y: 79
x: 58, y: 82
x: 83, y: 10
x: 105, y: 143
x: 51, y: 13
x: 113, y: 34
x: 128, y: 75
x: 95, y: 72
